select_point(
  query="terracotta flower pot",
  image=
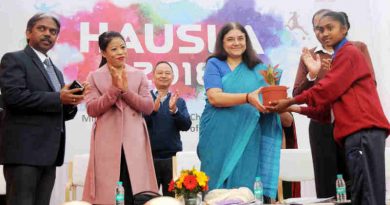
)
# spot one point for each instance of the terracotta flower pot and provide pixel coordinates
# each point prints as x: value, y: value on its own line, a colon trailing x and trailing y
x: 273, y: 92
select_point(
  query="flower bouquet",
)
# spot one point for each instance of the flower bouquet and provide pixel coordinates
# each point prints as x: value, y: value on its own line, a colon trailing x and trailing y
x: 272, y: 92
x: 189, y: 184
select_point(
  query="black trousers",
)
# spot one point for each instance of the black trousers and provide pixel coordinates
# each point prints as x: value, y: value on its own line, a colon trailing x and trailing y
x: 328, y: 159
x: 2, y: 200
x: 365, y: 154
x: 125, y: 178
x: 163, y: 169
x: 29, y: 185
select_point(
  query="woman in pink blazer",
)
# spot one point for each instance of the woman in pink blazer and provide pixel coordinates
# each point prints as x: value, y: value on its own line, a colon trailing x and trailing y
x: 120, y: 147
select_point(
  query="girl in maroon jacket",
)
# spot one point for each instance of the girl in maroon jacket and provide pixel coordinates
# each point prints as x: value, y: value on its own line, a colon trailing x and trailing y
x: 328, y: 158
x: 359, y: 122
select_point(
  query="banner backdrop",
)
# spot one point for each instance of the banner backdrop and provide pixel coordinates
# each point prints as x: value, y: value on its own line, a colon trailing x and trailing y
x: 183, y: 32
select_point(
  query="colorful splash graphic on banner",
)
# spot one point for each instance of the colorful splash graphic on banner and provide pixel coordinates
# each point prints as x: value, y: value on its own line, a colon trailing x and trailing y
x: 152, y: 37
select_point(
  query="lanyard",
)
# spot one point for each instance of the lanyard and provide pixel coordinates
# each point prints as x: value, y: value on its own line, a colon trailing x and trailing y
x: 337, y: 47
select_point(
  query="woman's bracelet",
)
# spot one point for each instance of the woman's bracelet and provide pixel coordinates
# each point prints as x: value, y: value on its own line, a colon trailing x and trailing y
x: 247, y: 99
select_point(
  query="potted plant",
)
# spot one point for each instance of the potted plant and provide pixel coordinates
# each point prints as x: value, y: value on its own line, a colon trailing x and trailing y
x: 272, y: 92
x: 189, y: 184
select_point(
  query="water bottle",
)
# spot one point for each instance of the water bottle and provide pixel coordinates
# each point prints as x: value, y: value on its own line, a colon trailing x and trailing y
x: 119, y: 194
x: 341, y: 191
x: 258, y: 190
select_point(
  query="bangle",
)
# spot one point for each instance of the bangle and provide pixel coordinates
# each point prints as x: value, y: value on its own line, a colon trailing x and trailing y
x: 247, y: 100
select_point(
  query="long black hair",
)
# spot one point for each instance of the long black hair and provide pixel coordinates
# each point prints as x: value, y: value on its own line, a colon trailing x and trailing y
x: 249, y: 56
x: 104, y: 39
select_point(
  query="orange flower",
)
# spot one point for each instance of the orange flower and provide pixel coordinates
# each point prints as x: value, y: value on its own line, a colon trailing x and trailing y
x: 179, y: 184
x: 190, y: 182
x: 171, y: 186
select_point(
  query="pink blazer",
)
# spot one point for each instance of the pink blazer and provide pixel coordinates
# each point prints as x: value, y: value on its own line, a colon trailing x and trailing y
x: 119, y: 122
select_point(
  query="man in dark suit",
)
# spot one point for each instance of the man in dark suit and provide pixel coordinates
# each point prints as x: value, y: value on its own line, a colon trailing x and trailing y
x: 36, y: 104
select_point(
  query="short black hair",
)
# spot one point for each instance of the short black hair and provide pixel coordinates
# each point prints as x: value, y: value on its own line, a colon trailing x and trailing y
x: 39, y: 16
x: 161, y: 62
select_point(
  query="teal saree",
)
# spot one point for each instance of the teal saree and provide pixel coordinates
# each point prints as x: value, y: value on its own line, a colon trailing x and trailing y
x: 238, y: 143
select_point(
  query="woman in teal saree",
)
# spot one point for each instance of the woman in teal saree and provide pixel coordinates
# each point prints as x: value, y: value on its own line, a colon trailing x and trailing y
x: 238, y: 140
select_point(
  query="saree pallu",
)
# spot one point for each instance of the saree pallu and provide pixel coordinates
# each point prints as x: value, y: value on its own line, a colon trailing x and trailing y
x: 238, y: 143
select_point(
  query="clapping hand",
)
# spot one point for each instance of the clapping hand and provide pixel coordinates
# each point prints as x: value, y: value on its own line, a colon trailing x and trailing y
x: 157, y: 103
x: 326, y: 63
x: 313, y: 64
x: 119, y: 77
x: 172, y: 101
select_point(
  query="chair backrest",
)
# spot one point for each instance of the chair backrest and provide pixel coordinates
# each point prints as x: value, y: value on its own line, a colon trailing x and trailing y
x: 185, y: 160
x: 80, y: 164
x: 77, y: 171
x: 2, y: 181
x: 296, y: 165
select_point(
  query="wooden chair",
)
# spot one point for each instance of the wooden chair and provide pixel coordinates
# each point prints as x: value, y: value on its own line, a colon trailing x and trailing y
x: 77, y: 170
